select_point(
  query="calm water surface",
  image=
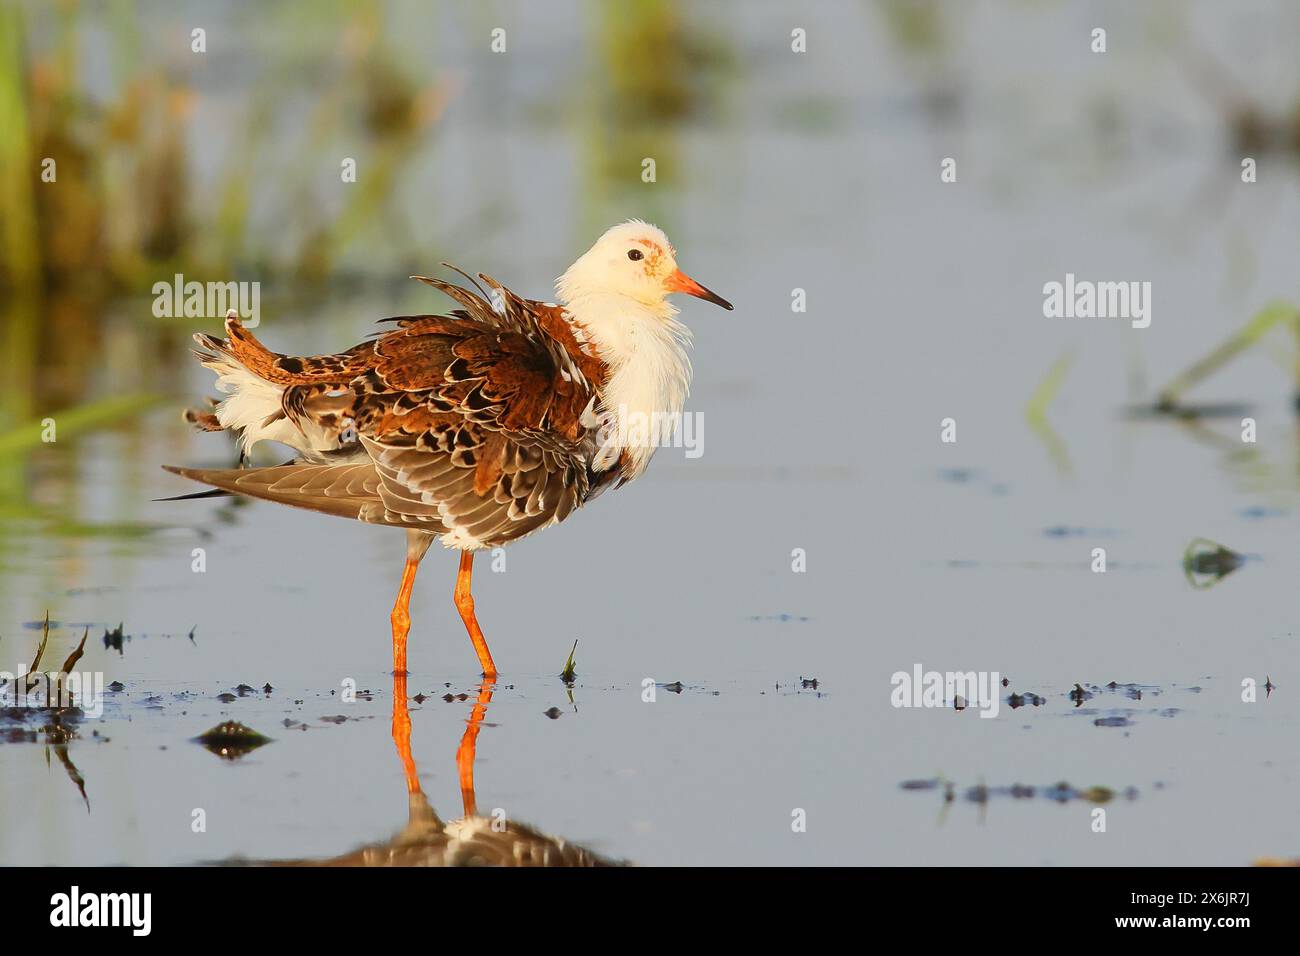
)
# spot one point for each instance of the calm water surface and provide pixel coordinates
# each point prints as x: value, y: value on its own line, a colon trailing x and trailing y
x: 821, y: 433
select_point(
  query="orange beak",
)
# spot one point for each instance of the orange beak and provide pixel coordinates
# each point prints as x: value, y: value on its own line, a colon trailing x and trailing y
x: 679, y: 281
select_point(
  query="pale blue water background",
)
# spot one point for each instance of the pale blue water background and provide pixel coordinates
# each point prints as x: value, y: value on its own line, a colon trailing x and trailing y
x: 820, y: 172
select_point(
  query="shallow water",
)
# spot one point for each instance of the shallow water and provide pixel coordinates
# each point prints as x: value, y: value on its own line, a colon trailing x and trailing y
x: 822, y: 433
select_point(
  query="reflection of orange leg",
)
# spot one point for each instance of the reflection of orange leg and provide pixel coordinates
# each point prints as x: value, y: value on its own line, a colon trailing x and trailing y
x: 465, y: 604
x: 468, y: 744
x: 402, y: 733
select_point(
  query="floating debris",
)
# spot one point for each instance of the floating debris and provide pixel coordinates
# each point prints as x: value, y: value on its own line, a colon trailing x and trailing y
x: 76, y: 654
x: 58, y: 725
x: 1206, y: 563
x: 231, y: 740
x: 36, y: 661
x: 1132, y: 691
x: 52, y: 696
x: 58, y: 742
x: 1081, y: 693
x: 553, y: 713
x: 1261, y: 511
x: 1036, y: 412
x: 569, y: 673
x: 1097, y: 795
x: 956, y: 476
x: 1112, y: 722
x: 1066, y: 531
x: 113, y: 639
x: 1170, y: 399
x: 1059, y: 792
x: 1029, y: 697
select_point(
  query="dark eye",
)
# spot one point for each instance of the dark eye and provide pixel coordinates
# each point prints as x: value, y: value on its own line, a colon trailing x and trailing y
x: 635, y: 255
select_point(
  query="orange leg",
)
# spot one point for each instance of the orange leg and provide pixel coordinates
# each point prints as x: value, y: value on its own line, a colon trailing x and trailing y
x: 402, y: 733
x: 468, y: 745
x: 465, y: 604
x: 401, y: 617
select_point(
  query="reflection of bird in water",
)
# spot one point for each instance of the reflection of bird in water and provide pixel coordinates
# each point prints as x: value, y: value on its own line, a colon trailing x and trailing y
x: 473, y: 840
x: 479, y: 427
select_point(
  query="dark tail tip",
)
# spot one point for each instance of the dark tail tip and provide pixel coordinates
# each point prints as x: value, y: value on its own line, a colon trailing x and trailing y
x: 186, y: 473
x: 211, y: 493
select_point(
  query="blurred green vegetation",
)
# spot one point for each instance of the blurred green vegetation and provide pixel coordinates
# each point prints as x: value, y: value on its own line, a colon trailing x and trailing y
x: 106, y: 187
x: 124, y: 208
x: 649, y: 76
x: 132, y: 194
x: 99, y: 191
x: 126, y: 159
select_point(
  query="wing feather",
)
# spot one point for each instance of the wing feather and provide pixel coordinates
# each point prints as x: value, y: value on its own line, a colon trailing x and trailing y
x: 326, y: 488
x: 473, y: 422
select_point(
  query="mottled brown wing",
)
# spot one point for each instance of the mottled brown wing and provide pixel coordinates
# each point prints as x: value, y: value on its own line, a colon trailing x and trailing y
x: 486, y: 491
x: 509, y: 363
x: 475, y: 421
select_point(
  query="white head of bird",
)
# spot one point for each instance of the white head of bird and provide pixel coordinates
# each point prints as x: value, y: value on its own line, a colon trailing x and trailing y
x: 633, y: 260
x: 617, y: 292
